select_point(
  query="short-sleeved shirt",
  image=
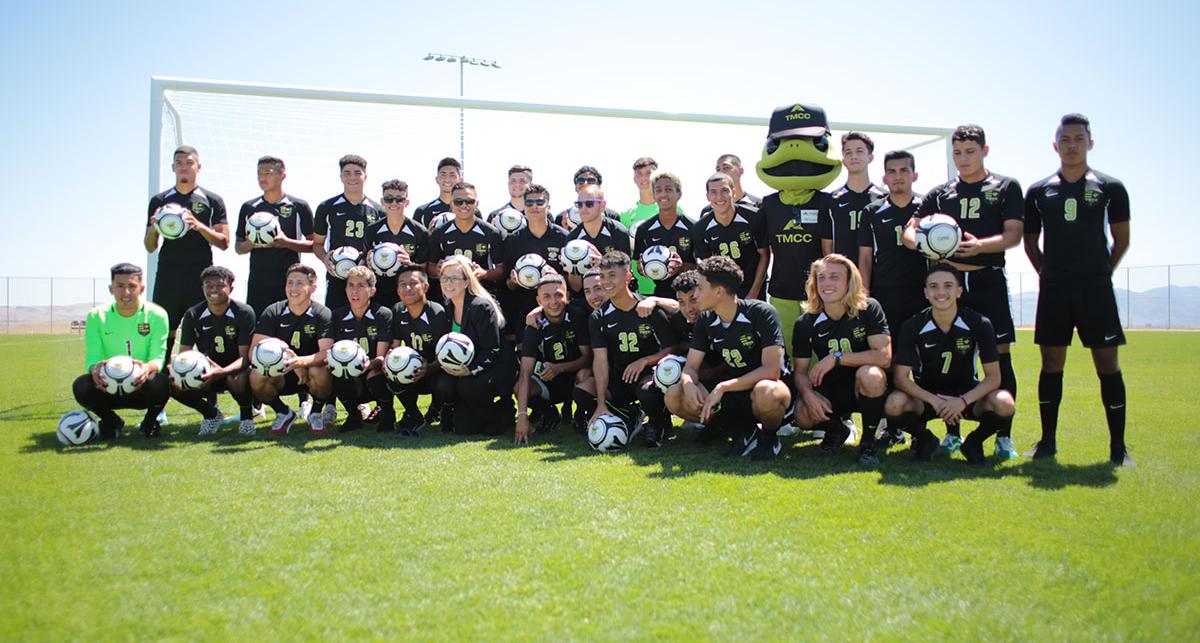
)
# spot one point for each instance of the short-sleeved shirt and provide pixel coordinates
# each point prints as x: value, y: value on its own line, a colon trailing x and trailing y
x: 425, y: 214
x: 218, y: 336
x: 944, y: 362
x: 556, y: 343
x: 573, y: 212
x: 678, y: 237
x: 819, y: 334
x: 740, y: 240
x: 747, y: 199
x: 612, y: 236
x: 374, y: 326
x: 981, y: 209
x: 422, y: 332
x: 519, y: 301
x: 739, y: 344
x: 192, y: 249
x: 343, y: 223
x: 846, y: 217
x: 627, y: 336
x: 301, y: 332
x: 1074, y: 217
x: 894, y: 265
x: 480, y: 244
x: 411, y: 236
x: 295, y: 222
x: 142, y: 336
x: 795, y: 233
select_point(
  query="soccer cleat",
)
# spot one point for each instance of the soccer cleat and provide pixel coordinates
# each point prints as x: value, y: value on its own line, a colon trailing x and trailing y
x: 365, y: 411
x: 410, y: 425
x: 353, y: 422
x: 1042, y: 451
x: 329, y: 415
x: 211, y: 425
x: 1121, y: 458
x: 787, y: 430
x: 151, y: 429
x: 1004, y: 449
x: 766, y: 449
x: 549, y: 420
x: 972, y: 450
x: 306, y: 406
x: 110, y: 427
x: 853, y: 434
x: 283, y: 423
x: 742, y: 445
x: 924, y: 447
x: 835, y: 437
x: 867, y: 458
x: 161, y: 419
x: 885, y: 440
x: 246, y: 427
x: 259, y: 410
x: 949, y: 444
x: 652, y: 436
x: 817, y: 434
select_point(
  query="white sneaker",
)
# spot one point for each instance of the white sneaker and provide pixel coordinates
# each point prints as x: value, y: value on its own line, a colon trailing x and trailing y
x: 210, y: 426
x: 364, y: 410
x: 246, y: 427
x: 306, y: 407
x: 854, y: 432
x: 283, y: 423
x: 259, y: 410
x: 162, y: 417
x: 882, y: 429
x: 324, y: 420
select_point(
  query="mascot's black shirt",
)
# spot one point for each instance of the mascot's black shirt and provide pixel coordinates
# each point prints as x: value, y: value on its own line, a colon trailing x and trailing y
x: 794, y: 233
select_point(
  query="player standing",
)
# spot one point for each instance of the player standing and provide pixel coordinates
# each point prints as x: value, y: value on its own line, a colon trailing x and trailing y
x: 401, y: 230
x: 1075, y: 265
x: 269, y: 264
x: 645, y: 209
x: 520, y: 177
x: 731, y: 165
x: 449, y: 172
x: 572, y: 217
x: 735, y: 231
x: 667, y: 227
x: 539, y: 237
x: 343, y: 221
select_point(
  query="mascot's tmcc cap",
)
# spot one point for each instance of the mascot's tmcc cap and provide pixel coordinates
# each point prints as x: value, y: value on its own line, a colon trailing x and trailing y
x: 798, y: 120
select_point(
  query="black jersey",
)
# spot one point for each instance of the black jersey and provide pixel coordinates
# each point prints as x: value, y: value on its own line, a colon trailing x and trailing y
x: 301, y: 332
x: 425, y: 214
x: 343, y: 223
x: 981, y: 208
x: 295, y: 222
x: 218, y: 336
x: 480, y: 244
x: 740, y: 240
x: 818, y: 334
x: 881, y: 229
x: 944, y: 363
x: 755, y: 326
x: 846, y: 215
x: 422, y: 332
x: 747, y: 199
x: 519, y: 301
x: 556, y: 343
x: 374, y: 326
x: 192, y: 249
x: 678, y: 237
x: 572, y: 214
x: 628, y: 336
x: 794, y: 233
x: 1073, y: 215
x: 411, y: 236
x: 612, y: 236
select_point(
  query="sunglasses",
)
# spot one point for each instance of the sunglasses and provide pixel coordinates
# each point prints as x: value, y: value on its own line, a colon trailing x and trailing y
x: 395, y: 199
x: 536, y: 201
x: 588, y: 203
x: 463, y: 201
x: 587, y: 179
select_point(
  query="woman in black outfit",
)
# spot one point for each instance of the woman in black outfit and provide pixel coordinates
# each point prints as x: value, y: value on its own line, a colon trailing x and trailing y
x: 469, y: 392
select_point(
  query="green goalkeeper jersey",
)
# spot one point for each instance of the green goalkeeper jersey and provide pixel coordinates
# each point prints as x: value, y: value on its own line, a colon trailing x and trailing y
x: 142, y: 336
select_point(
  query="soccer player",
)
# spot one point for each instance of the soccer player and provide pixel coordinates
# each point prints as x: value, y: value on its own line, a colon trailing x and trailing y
x: 990, y: 210
x: 645, y: 209
x: 302, y: 323
x: 401, y: 230
x: 606, y: 234
x: 449, y: 173
x: 370, y: 326
x: 469, y: 237
x: 893, y: 273
x: 221, y: 328
x: 469, y: 392
x: 180, y: 261
x: 847, y: 332
x: 746, y: 335
x: 1075, y: 265
x: 731, y: 166
x: 625, y: 349
x: 735, y: 231
x: 520, y: 177
x: 539, y: 237
x: 851, y: 200
x: 558, y: 347
x: 130, y: 327
x: 572, y: 217
x: 935, y: 375
x: 343, y: 220
x: 418, y: 323
x: 668, y: 227
x: 269, y: 264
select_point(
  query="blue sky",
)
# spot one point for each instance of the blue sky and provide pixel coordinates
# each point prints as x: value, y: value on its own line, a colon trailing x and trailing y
x: 75, y: 87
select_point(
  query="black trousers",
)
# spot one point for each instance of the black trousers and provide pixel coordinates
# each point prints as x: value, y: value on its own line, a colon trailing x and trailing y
x: 152, y: 396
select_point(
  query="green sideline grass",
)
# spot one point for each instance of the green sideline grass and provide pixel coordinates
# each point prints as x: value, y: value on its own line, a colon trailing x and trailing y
x: 450, y: 538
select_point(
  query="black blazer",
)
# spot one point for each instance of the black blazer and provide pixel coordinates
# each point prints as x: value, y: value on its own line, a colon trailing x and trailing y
x: 481, y: 324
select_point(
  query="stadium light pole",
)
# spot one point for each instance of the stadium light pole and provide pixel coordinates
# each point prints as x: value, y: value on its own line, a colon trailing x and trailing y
x: 462, y: 61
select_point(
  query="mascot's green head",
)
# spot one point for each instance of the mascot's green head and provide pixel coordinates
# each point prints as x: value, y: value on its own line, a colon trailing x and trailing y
x: 795, y: 159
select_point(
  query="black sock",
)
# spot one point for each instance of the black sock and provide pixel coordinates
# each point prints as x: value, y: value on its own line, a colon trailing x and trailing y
x: 1112, y: 393
x: 872, y: 412
x: 199, y: 402
x: 954, y: 429
x: 383, y: 397
x: 989, y: 424
x: 1050, y: 387
x: 1008, y: 377
x: 585, y: 405
x: 245, y: 402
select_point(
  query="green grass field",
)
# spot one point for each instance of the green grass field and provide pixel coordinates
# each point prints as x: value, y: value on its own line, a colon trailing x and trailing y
x: 450, y: 538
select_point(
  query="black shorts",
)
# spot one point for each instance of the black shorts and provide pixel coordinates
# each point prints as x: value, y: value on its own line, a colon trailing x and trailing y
x: 841, y: 394
x: 986, y: 292
x: 625, y: 394
x: 899, y: 304
x: 177, y: 288
x: 291, y: 385
x: 557, y: 390
x: 930, y: 414
x: 1092, y: 308
x: 335, y: 293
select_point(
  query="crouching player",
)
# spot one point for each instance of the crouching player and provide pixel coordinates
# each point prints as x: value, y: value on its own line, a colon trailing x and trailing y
x: 370, y: 327
x: 130, y: 327
x: 417, y: 323
x: 848, y: 334
x: 302, y: 323
x: 557, y: 343
x: 747, y: 336
x: 935, y: 370
x: 221, y: 328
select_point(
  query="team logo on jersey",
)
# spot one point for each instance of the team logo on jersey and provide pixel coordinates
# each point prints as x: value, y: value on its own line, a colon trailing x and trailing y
x: 793, y: 224
x: 143, y: 329
x: 197, y: 207
x: 745, y: 237
x: 1092, y: 197
x: 684, y: 244
x: 747, y: 341
x: 859, y: 333
x: 552, y: 254
x: 410, y: 248
x: 230, y: 331
x: 964, y: 345
x: 569, y: 336
x: 644, y: 330
x: 285, y: 211
x: 371, y: 332
x: 310, y: 329
x: 991, y: 197
x: 481, y: 249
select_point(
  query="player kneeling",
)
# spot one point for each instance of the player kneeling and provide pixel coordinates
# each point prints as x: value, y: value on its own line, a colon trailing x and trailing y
x: 301, y: 323
x: 557, y: 344
x: 935, y: 370
x: 848, y: 334
x: 747, y: 336
x: 369, y: 327
x: 220, y: 328
x: 417, y: 323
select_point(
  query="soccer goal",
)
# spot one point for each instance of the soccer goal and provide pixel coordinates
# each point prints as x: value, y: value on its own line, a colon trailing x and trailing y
x: 403, y: 136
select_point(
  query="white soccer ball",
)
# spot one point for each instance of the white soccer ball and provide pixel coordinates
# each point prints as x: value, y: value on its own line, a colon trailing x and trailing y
x: 188, y: 370
x: 938, y: 236
x: 441, y: 221
x: 607, y: 434
x: 668, y: 371
x: 343, y: 259
x: 529, y: 270
x: 575, y: 215
x: 271, y: 357
x: 653, y: 262
x: 401, y: 364
x: 118, y: 374
x: 385, y: 259
x: 262, y: 228
x: 347, y: 359
x: 509, y: 221
x: 168, y: 220
x: 77, y: 427
x: 576, y: 256
x: 455, y: 350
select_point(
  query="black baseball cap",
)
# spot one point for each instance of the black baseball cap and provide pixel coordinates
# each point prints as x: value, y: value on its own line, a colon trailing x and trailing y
x: 798, y: 119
